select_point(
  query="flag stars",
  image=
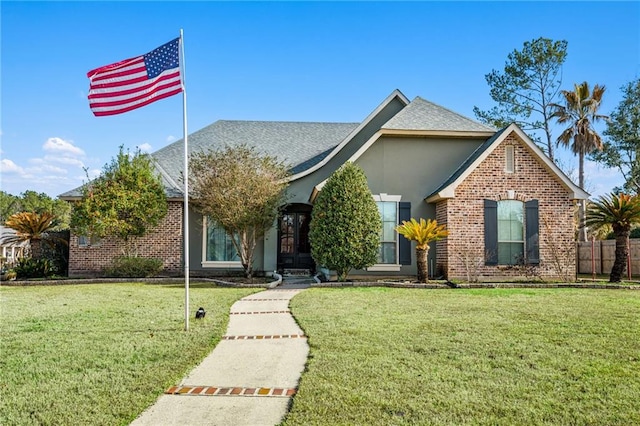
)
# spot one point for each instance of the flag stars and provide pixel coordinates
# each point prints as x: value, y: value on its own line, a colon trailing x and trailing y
x: 163, y: 58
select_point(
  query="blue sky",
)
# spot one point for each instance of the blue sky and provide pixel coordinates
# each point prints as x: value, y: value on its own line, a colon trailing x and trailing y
x: 289, y: 61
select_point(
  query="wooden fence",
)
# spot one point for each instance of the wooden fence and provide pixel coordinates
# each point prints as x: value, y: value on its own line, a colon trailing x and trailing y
x: 600, y: 255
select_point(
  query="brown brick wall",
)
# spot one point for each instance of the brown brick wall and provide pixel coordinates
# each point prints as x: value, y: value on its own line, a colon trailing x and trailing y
x: 165, y: 243
x: 464, y: 215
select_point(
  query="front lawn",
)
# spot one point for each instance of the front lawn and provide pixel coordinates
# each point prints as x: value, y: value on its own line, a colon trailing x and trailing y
x: 382, y: 356
x: 100, y: 354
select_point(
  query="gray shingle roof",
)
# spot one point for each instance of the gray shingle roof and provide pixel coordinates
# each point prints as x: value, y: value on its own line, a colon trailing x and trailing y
x: 300, y: 145
x: 421, y: 114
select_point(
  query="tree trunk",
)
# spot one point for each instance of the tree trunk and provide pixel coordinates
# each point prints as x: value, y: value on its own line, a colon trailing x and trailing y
x: 621, y: 257
x: 36, y: 248
x: 582, y: 234
x: 423, y: 268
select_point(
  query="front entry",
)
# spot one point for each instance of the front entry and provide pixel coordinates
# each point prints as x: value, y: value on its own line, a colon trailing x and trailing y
x: 294, y: 250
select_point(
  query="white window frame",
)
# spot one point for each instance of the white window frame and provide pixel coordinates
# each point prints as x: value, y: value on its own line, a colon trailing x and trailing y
x: 388, y: 267
x: 221, y: 264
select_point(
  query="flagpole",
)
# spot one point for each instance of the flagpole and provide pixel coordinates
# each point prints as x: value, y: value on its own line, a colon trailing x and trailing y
x: 186, y: 187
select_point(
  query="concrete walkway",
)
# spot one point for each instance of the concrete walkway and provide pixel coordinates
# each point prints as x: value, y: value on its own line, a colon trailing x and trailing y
x: 251, y: 375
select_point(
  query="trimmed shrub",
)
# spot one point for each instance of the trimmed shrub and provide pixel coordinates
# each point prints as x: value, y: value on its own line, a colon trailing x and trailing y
x: 133, y: 267
x: 34, y: 268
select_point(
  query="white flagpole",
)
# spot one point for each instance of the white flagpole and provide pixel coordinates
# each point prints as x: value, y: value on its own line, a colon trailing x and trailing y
x: 186, y: 187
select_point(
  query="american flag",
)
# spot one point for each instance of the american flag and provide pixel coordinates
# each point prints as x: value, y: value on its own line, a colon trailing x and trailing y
x: 135, y: 82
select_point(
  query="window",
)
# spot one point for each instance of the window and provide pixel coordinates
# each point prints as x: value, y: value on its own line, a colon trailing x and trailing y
x: 510, y: 159
x: 510, y: 232
x: 218, y: 245
x: 86, y: 241
x: 387, y: 252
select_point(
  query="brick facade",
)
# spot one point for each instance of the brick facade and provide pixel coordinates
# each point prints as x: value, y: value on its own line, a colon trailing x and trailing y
x: 165, y: 243
x: 462, y: 253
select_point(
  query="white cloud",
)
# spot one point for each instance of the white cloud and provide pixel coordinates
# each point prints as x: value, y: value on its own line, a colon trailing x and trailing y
x: 171, y: 138
x: 64, y: 160
x: 145, y: 147
x: 61, y: 146
x: 8, y: 166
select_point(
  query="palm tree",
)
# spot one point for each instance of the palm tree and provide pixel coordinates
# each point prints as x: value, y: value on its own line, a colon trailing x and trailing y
x: 580, y: 112
x: 621, y: 212
x: 32, y: 227
x: 422, y: 233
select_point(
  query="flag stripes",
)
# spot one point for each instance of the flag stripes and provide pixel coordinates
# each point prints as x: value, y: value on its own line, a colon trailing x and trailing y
x: 135, y: 82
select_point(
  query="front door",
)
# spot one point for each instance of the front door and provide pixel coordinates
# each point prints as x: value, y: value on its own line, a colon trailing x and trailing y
x: 294, y: 250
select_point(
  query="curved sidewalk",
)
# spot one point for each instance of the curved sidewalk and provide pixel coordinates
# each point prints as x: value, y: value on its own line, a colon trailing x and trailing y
x: 250, y: 376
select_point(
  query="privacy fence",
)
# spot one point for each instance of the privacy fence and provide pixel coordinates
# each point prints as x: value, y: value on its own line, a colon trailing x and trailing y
x: 598, y: 257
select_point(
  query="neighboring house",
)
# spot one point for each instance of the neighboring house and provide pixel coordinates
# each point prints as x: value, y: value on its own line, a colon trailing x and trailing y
x: 503, y: 201
x: 11, y: 250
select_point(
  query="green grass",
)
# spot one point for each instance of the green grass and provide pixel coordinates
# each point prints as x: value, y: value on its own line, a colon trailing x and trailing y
x: 100, y: 354
x: 382, y: 356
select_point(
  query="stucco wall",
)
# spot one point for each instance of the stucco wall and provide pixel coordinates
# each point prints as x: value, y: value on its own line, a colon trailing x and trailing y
x: 413, y: 167
x: 531, y: 180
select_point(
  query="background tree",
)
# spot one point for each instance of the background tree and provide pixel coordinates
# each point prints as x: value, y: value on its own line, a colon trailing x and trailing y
x: 525, y: 89
x: 621, y: 148
x: 345, y: 223
x: 621, y: 212
x: 580, y: 111
x: 241, y: 191
x: 9, y: 204
x: 32, y: 201
x: 422, y: 233
x: 126, y: 201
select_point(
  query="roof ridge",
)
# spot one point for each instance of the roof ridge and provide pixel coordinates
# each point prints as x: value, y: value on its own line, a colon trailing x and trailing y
x: 455, y: 113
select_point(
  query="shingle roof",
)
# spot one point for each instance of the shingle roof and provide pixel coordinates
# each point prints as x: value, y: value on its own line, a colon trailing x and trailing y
x: 300, y: 145
x: 421, y: 114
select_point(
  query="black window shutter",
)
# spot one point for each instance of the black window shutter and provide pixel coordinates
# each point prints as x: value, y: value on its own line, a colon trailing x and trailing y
x: 491, y: 232
x: 404, y: 245
x: 532, y: 230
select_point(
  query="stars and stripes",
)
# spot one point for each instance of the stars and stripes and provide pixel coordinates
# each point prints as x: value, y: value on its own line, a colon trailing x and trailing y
x: 135, y: 82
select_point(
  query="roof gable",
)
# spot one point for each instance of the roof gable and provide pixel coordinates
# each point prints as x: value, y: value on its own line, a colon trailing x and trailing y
x: 447, y: 189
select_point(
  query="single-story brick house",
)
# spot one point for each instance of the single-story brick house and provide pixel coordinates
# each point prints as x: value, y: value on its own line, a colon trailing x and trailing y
x: 503, y: 201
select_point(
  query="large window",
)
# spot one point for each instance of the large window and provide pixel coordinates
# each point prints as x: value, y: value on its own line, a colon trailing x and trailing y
x: 510, y: 232
x: 218, y: 245
x: 388, y: 250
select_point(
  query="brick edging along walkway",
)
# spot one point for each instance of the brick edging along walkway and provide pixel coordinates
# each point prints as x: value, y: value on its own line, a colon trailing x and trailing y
x: 229, y: 391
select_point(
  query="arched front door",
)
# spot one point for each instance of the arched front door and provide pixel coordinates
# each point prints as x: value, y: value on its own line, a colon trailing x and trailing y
x: 294, y: 250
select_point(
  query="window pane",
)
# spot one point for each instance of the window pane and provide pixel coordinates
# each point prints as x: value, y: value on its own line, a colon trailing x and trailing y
x: 219, y: 246
x: 510, y: 253
x: 388, y: 231
x: 387, y: 253
x: 389, y: 213
x: 303, y: 233
x: 510, y: 220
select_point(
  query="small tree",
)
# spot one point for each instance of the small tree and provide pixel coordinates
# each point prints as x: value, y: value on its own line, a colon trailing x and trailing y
x: 32, y: 227
x: 621, y: 211
x: 422, y: 233
x: 241, y: 191
x: 345, y: 223
x: 126, y: 201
